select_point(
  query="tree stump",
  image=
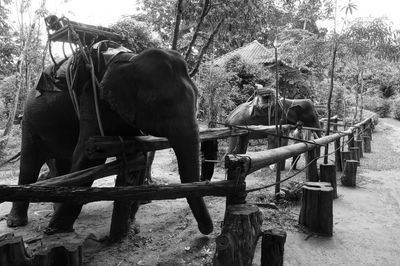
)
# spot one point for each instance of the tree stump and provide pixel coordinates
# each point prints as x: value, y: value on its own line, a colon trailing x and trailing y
x: 348, y: 177
x: 359, y: 144
x: 13, y: 252
x: 238, y: 239
x: 328, y: 174
x: 355, y: 154
x: 311, y: 170
x: 272, y: 247
x: 367, y: 144
x: 317, y: 208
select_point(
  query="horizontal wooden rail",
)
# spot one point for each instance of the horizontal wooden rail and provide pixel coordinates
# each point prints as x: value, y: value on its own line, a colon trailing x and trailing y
x: 261, y: 159
x: 109, y: 146
x: 144, y: 192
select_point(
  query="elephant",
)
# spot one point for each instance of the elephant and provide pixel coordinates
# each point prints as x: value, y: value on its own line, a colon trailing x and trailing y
x: 150, y: 92
x: 261, y: 111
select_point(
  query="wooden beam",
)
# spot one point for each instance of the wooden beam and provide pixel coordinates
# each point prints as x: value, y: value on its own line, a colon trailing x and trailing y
x: 144, y: 192
x: 109, y: 146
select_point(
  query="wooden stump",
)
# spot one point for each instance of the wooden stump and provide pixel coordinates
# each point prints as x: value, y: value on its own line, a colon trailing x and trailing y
x: 311, y: 170
x: 317, y: 208
x: 367, y: 144
x: 355, y: 154
x: 348, y: 177
x: 358, y: 144
x: 328, y: 174
x: 345, y: 155
x: 272, y: 247
x: 239, y: 235
x: 13, y: 252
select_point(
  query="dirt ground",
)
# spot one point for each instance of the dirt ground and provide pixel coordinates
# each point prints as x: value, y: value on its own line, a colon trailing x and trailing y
x: 366, y: 218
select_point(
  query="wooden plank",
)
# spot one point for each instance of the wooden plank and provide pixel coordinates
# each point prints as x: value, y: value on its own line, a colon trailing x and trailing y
x: 144, y: 192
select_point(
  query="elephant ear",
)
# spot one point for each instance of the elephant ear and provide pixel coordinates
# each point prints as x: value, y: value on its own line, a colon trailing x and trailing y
x: 293, y: 112
x: 118, y: 89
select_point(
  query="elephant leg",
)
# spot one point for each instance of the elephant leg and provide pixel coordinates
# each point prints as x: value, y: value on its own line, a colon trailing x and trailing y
x: 150, y: 158
x: 31, y: 162
x: 59, y: 167
x: 209, y: 149
x: 66, y: 213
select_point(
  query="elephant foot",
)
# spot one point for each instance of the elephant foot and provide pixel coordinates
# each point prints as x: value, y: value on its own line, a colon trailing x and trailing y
x: 16, y: 219
x: 57, y: 230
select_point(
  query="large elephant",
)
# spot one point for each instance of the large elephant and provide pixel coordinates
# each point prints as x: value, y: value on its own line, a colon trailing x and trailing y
x: 150, y: 92
x: 261, y: 111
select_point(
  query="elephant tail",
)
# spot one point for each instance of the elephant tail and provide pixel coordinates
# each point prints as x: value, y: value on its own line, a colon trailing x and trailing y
x: 11, y: 160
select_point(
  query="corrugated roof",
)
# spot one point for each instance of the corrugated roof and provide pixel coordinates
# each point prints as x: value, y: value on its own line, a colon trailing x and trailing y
x: 253, y: 52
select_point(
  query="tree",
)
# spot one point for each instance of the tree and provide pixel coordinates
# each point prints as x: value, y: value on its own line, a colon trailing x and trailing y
x: 29, y: 60
x: 137, y: 35
x: 366, y: 39
x: 8, y: 48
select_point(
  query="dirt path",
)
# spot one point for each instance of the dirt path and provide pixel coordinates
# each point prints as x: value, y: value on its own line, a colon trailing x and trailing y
x: 366, y: 219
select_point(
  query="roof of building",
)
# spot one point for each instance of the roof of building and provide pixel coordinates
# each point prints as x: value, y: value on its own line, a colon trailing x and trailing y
x: 253, y: 52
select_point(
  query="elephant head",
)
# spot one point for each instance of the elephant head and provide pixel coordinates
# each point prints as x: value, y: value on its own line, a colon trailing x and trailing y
x: 154, y: 92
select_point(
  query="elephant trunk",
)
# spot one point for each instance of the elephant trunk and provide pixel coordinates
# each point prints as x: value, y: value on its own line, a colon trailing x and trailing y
x: 185, y: 143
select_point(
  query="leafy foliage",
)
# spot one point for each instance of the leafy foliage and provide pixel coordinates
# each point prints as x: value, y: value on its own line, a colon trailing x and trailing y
x: 396, y: 108
x: 8, y: 48
x: 137, y: 34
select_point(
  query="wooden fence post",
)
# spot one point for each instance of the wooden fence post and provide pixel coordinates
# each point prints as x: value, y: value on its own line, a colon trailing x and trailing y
x: 317, y: 207
x: 359, y: 144
x: 338, y: 160
x: 328, y: 174
x: 355, y: 154
x: 367, y: 144
x: 311, y: 170
x: 272, y: 247
x: 242, y: 223
x: 348, y: 177
x: 350, y: 139
x: 345, y: 155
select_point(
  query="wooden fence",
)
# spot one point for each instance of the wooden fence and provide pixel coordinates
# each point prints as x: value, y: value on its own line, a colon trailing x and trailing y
x: 234, y: 246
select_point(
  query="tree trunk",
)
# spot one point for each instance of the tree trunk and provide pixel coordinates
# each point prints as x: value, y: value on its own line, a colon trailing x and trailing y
x: 361, y: 94
x: 179, y: 11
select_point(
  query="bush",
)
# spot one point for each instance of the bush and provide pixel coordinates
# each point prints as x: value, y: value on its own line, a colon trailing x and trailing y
x: 378, y: 105
x: 396, y: 108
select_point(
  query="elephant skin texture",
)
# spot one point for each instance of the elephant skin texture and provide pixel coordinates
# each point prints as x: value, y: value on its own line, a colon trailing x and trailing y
x: 149, y: 93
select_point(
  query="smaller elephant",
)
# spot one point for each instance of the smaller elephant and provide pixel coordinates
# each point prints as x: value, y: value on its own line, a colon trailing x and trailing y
x: 261, y: 111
